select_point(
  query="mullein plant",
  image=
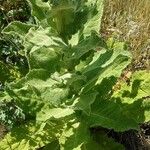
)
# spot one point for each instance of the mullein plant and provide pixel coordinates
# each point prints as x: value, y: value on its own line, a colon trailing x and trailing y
x: 69, y: 88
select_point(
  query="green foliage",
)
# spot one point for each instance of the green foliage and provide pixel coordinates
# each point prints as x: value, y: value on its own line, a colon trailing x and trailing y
x: 12, y: 63
x: 138, y: 94
x: 10, y: 114
x: 69, y: 86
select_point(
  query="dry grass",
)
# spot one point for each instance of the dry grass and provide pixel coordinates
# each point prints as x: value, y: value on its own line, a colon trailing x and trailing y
x: 129, y: 20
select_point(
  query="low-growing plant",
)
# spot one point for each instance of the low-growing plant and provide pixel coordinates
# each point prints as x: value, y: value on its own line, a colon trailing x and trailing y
x: 69, y: 88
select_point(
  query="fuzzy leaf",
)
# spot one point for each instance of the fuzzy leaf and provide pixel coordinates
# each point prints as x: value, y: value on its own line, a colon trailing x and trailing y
x: 27, y: 137
x: 94, y: 42
x: 47, y: 113
x: 18, y: 28
x: 42, y: 49
x: 137, y: 92
x: 74, y: 136
x: 113, y: 115
x: 141, y: 84
x: 94, y: 17
x: 39, y: 8
x: 85, y: 101
x: 36, y: 89
x: 124, y: 104
x: 104, y: 65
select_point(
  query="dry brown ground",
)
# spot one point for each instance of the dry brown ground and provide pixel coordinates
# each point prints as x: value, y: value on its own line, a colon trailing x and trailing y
x: 129, y: 20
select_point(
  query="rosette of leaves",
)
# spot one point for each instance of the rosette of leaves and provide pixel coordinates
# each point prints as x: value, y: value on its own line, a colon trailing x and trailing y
x: 69, y: 86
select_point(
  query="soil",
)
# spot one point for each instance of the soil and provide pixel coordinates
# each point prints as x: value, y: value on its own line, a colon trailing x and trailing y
x: 133, y: 140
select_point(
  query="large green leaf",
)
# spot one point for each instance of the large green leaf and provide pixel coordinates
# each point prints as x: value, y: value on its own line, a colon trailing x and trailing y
x: 94, y: 17
x: 84, y: 102
x: 74, y: 136
x: 36, y: 89
x: 104, y: 65
x: 113, y: 114
x: 137, y: 92
x: 28, y: 137
x: 81, y: 51
x: 50, y: 112
x: 63, y: 14
x: 140, y: 84
x: 39, y: 9
x: 128, y: 106
x: 18, y: 28
x: 93, y: 42
x: 50, y: 125
x: 43, y: 57
x: 43, y: 37
x: 43, y: 49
